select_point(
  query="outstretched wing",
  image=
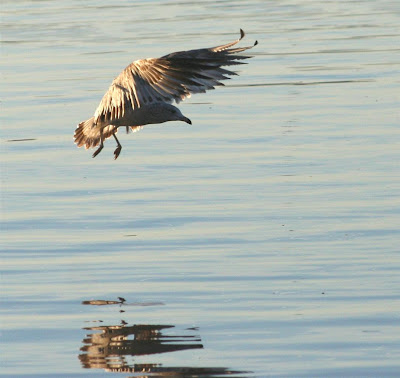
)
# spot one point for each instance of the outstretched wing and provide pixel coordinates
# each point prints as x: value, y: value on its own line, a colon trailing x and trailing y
x: 172, y: 77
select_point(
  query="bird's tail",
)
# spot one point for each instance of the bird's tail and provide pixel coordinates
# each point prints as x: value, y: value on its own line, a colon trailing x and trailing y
x: 88, y: 135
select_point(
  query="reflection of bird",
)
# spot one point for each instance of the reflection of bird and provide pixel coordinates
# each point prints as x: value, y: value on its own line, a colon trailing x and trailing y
x: 108, y: 347
x: 142, y: 94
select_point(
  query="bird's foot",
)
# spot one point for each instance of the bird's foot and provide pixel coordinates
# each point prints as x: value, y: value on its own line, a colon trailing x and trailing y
x: 117, y: 152
x: 97, y: 151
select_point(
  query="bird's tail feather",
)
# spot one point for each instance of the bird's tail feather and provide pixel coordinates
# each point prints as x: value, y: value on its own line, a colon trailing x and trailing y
x: 88, y: 135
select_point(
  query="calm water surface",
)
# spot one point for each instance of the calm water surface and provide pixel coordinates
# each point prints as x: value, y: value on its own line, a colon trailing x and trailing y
x: 263, y: 240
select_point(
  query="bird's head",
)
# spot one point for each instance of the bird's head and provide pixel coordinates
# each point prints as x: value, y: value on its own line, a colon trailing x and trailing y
x: 172, y: 113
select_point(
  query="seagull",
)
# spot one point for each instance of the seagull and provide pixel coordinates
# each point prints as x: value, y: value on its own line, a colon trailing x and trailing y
x: 144, y: 91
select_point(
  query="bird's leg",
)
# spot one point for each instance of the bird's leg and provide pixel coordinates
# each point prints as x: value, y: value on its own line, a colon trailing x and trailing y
x: 118, y: 149
x: 101, y: 144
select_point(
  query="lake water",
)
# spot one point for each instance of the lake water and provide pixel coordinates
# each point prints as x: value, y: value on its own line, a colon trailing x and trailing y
x: 263, y: 240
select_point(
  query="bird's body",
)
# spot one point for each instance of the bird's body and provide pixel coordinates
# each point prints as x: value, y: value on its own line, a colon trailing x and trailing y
x: 142, y: 94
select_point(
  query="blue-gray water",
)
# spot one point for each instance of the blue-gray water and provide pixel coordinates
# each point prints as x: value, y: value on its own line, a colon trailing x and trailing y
x: 263, y: 240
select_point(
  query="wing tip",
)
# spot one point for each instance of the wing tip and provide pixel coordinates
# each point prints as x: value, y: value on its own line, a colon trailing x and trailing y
x: 242, y: 35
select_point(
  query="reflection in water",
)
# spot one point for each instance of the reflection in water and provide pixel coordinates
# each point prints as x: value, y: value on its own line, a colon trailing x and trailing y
x: 110, y: 347
x: 147, y: 339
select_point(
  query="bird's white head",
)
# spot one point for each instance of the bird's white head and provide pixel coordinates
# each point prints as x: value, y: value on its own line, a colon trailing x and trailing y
x: 169, y: 112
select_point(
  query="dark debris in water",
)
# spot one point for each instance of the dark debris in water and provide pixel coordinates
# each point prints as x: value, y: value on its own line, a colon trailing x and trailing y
x: 21, y: 140
x: 121, y: 301
x: 100, y: 302
x: 344, y: 81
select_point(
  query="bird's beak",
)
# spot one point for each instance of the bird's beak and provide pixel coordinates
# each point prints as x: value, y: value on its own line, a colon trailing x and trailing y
x: 187, y: 120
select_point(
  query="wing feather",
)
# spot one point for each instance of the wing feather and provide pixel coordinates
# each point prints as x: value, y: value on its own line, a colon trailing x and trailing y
x: 172, y: 77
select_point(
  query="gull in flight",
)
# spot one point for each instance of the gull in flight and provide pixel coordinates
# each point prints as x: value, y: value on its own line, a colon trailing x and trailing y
x: 142, y: 94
